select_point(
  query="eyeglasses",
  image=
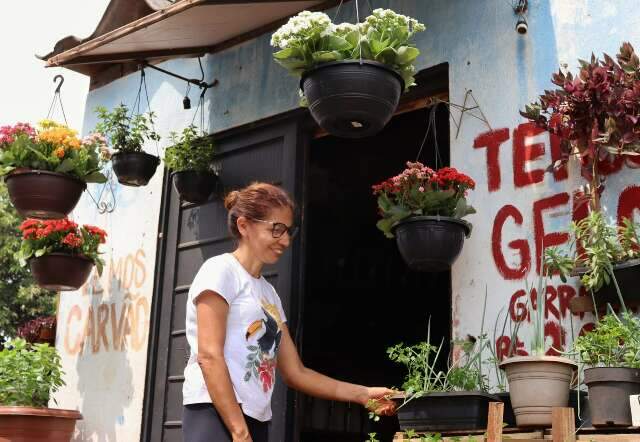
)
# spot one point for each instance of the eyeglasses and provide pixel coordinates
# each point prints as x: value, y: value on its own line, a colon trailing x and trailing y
x: 278, y: 229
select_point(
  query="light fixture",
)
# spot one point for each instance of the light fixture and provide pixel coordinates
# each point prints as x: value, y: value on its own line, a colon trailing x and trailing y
x: 521, y: 9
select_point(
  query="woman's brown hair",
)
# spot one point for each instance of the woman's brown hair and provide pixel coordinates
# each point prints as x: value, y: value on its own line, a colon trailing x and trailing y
x: 254, y: 202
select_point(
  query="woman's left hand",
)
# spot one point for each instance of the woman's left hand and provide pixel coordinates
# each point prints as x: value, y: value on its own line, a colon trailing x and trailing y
x: 378, y: 401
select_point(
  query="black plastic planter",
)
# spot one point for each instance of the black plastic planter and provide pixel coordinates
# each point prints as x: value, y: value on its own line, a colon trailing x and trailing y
x: 430, y: 243
x: 134, y: 168
x: 42, y: 194
x: 627, y: 275
x: 194, y: 187
x: 352, y: 99
x: 61, y: 271
x: 458, y: 410
x: 609, y: 391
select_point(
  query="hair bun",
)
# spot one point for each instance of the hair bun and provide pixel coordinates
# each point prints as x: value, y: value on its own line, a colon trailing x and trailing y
x: 231, y: 199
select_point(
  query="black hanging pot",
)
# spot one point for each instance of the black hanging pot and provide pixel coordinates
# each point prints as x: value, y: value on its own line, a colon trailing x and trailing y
x: 627, y: 275
x: 430, y: 243
x: 134, y: 168
x: 61, y: 271
x: 42, y: 194
x: 352, y: 99
x: 195, y: 187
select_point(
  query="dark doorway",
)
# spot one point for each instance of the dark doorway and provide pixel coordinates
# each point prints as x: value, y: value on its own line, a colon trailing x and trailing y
x: 360, y: 298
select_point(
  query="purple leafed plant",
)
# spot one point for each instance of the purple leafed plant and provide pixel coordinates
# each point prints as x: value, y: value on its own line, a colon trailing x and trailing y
x: 596, y: 114
x: 31, y: 330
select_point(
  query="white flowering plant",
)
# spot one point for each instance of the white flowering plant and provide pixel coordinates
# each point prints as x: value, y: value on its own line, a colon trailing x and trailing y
x: 310, y: 39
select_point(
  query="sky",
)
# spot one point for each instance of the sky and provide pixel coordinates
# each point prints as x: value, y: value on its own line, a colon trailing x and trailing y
x: 30, y: 27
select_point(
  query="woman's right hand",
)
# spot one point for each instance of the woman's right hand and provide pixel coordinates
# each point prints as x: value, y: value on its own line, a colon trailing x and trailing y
x: 242, y: 436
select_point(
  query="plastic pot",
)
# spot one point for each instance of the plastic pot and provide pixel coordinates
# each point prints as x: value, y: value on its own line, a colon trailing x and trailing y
x: 582, y: 418
x: 61, y: 271
x: 536, y: 385
x: 352, y: 99
x: 458, y: 410
x: 29, y: 424
x: 195, y: 187
x: 134, y: 168
x: 627, y: 275
x: 609, y: 391
x: 42, y: 194
x: 430, y: 243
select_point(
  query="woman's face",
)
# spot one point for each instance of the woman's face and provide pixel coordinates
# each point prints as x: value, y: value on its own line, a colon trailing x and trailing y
x: 259, y: 234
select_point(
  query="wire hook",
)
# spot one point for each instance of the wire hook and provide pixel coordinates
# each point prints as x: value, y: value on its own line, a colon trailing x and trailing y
x: 55, y: 79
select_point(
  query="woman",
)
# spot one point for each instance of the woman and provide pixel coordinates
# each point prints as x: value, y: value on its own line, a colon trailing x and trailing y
x: 238, y: 335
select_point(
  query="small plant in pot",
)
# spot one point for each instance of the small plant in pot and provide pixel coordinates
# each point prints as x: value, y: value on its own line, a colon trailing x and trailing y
x: 190, y: 158
x: 423, y: 209
x: 41, y: 330
x: 61, y: 254
x: 612, y: 352
x: 47, y: 169
x: 436, y: 400
x: 29, y: 374
x: 605, y: 257
x: 127, y: 134
x: 538, y: 382
x: 352, y: 74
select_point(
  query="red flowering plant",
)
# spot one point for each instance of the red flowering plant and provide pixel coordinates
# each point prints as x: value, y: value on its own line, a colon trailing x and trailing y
x: 421, y: 191
x: 596, y: 114
x: 40, y: 237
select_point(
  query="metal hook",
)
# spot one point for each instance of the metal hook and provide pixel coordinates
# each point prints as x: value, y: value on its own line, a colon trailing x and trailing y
x: 55, y: 79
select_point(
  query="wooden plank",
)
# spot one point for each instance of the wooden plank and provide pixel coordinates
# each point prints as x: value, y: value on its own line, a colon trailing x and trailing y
x: 494, y: 422
x: 563, y: 424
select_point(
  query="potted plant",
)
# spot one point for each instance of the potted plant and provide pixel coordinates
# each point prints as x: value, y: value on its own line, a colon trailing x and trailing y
x: 41, y: 330
x: 537, y: 382
x: 436, y: 400
x: 46, y: 169
x: 190, y: 158
x: 612, y: 352
x: 29, y: 373
x: 61, y: 253
x: 596, y: 117
x: 127, y: 133
x: 605, y: 257
x: 423, y: 209
x: 352, y: 75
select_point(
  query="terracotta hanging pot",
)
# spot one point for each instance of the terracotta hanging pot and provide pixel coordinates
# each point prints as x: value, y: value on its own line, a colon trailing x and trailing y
x: 195, y: 187
x: 134, y: 168
x: 61, y: 271
x: 536, y: 385
x: 42, y: 194
x: 430, y: 243
x: 29, y: 424
x: 352, y: 98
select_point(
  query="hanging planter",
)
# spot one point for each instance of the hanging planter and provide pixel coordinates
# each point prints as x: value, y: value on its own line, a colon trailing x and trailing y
x: 352, y: 99
x: 430, y: 243
x: 61, y: 254
x: 134, y: 169
x: 191, y: 157
x: 46, y: 169
x: 423, y: 209
x: 352, y: 74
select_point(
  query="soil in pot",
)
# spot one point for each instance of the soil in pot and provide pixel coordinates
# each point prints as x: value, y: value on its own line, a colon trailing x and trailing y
x: 351, y: 98
x: 134, y: 168
x: 194, y: 187
x: 536, y: 385
x: 458, y: 410
x: 42, y: 194
x: 60, y: 271
x: 28, y: 424
x: 609, y: 391
x: 429, y: 243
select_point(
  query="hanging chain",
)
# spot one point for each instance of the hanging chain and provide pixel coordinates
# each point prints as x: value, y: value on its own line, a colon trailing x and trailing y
x: 57, y: 99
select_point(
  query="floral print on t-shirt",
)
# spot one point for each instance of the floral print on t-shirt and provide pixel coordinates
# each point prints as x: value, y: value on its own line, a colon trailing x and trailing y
x: 263, y: 337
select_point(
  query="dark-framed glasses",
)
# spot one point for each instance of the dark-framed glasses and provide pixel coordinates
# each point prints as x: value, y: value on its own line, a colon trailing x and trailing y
x: 278, y: 229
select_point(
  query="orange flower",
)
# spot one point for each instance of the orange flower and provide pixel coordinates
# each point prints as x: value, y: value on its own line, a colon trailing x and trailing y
x: 59, y: 152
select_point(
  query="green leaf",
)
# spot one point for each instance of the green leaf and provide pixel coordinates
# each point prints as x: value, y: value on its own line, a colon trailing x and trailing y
x: 334, y: 43
x: 95, y: 177
x: 288, y: 53
x: 40, y: 252
x: 66, y: 166
x: 353, y: 38
x: 377, y: 46
x: 325, y: 56
x: 406, y: 54
x: 387, y: 56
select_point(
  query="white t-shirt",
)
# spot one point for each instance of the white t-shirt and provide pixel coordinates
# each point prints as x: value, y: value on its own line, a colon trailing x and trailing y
x: 253, y: 335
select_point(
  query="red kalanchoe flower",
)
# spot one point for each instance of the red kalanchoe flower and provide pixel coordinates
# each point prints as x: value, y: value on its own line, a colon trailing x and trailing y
x: 72, y: 240
x: 93, y: 230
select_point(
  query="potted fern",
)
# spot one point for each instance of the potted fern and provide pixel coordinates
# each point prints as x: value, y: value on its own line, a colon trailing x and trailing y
x: 29, y: 373
x: 127, y: 133
x: 352, y: 75
x: 190, y: 158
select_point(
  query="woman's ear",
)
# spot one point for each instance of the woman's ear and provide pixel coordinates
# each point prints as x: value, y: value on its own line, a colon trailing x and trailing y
x: 243, y: 225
